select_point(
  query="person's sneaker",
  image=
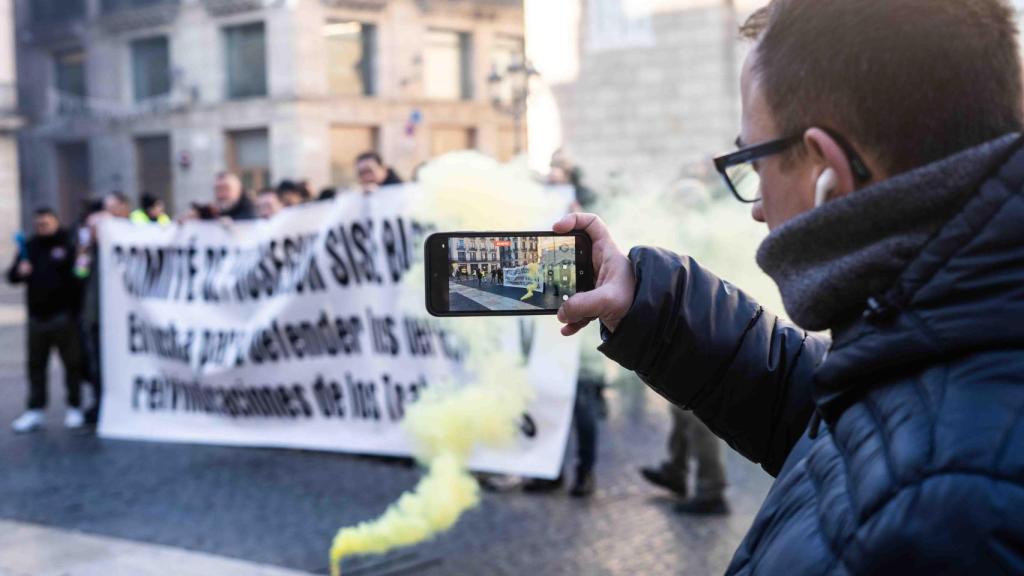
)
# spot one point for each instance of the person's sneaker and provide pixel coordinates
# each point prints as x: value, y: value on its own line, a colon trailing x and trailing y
x: 703, y: 507
x: 537, y: 485
x: 583, y: 485
x: 499, y: 482
x: 74, y: 418
x: 658, y: 477
x: 29, y: 421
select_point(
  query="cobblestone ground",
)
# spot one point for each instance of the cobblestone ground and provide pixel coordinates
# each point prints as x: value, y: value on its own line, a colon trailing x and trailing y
x: 282, y: 507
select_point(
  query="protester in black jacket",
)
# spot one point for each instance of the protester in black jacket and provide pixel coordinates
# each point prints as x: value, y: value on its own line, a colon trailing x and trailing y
x: 231, y: 199
x: 373, y: 174
x: 889, y: 167
x: 45, y: 264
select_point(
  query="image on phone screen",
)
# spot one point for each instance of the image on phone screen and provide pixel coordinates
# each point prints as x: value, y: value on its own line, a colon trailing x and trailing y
x: 505, y: 273
x: 510, y: 273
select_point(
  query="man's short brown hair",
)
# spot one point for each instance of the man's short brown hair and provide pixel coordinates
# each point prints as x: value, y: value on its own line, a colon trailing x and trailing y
x: 909, y: 81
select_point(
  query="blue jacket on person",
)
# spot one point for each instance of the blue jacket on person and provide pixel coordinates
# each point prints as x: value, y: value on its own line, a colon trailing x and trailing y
x: 898, y: 448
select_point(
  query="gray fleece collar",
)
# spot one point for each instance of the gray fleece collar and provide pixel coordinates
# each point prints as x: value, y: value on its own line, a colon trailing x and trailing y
x: 827, y: 262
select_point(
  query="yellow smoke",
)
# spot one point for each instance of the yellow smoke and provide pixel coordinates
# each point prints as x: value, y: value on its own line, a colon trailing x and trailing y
x: 434, y: 505
x: 446, y: 425
x: 529, y: 292
x: 533, y: 270
x: 461, y: 191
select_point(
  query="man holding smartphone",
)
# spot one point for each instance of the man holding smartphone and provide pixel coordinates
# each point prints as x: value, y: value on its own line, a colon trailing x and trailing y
x: 881, y: 145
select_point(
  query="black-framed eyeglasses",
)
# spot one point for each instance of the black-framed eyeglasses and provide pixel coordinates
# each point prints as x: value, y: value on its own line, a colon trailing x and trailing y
x: 740, y: 174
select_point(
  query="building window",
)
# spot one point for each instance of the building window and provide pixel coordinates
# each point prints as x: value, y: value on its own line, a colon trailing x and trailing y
x: 245, y: 61
x: 351, y: 57
x: 347, y: 143
x: 151, y: 68
x: 108, y: 6
x: 249, y: 157
x: 448, y: 65
x: 153, y: 163
x: 69, y: 80
x: 53, y: 11
x: 74, y: 178
x: 451, y: 139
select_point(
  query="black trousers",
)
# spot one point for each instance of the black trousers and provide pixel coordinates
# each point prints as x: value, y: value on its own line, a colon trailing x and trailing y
x: 91, y: 368
x: 60, y: 332
x: 585, y: 422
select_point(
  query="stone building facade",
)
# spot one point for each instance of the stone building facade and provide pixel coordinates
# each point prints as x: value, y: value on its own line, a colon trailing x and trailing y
x: 158, y: 96
x: 9, y: 124
x: 650, y: 92
x: 641, y: 93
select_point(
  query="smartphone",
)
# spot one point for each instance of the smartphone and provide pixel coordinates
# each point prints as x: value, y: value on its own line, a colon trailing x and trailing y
x: 505, y: 273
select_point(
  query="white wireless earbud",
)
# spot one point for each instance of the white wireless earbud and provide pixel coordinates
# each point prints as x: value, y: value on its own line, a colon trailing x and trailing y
x: 825, y: 186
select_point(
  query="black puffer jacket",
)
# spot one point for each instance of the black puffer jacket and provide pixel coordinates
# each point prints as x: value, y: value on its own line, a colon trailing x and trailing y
x: 903, y: 452
x: 52, y: 287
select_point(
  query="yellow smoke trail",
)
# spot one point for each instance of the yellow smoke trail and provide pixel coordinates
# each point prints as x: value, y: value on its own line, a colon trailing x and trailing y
x: 466, y: 191
x: 529, y: 292
x: 533, y: 270
x: 446, y: 426
x: 434, y: 505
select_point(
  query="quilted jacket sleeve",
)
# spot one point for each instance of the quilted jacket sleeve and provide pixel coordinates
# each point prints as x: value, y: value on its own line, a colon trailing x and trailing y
x: 706, y: 346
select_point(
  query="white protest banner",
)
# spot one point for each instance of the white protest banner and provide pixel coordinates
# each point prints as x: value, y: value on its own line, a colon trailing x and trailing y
x: 292, y: 333
x: 521, y: 277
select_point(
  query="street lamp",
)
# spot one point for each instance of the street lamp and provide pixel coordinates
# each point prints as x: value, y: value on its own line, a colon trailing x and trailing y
x: 512, y: 101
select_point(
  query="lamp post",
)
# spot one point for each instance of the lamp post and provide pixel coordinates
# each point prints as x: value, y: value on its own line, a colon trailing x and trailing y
x: 510, y: 88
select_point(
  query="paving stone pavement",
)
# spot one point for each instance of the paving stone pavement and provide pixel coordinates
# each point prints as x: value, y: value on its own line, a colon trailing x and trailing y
x: 282, y: 507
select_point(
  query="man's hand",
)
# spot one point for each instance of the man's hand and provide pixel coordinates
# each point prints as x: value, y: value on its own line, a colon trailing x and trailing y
x: 612, y: 296
x: 24, y: 268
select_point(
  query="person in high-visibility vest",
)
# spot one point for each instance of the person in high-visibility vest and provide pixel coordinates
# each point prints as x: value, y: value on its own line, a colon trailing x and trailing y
x: 151, y: 212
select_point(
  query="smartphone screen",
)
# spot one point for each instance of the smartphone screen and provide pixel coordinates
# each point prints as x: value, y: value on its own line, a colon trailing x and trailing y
x: 493, y: 274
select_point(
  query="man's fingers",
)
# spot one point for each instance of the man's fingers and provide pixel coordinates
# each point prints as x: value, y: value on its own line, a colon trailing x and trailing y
x: 571, y: 329
x: 584, y: 306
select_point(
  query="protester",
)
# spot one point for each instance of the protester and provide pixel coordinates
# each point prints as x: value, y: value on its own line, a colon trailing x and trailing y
x: 373, y: 173
x: 589, y: 384
x: 882, y: 146
x: 87, y: 268
x: 230, y: 198
x: 305, y: 189
x: 291, y: 194
x: 151, y: 212
x: 45, y: 266
x: 268, y: 203
x: 116, y: 204
x: 690, y: 436
x: 563, y: 172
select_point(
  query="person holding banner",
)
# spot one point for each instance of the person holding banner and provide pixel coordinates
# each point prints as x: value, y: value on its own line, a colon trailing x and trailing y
x: 268, y: 203
x: 373, y: 173
x: 46, y: 266
x: 152, y: 211
x: 116, y: 204
x: 231, y: 200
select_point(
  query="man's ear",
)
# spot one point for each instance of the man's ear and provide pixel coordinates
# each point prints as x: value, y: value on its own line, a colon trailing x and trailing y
x: 825, y: 153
